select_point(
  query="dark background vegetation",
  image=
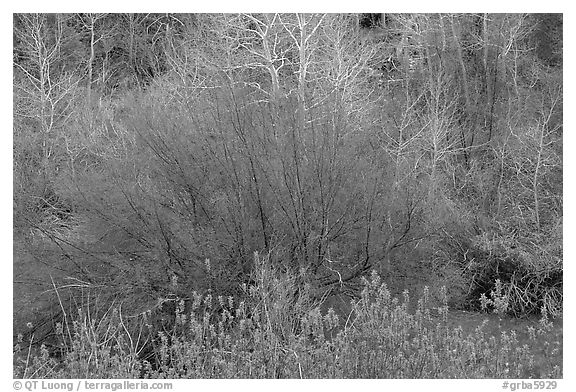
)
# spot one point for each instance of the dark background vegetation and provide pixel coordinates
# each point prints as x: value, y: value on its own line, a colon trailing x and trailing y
x: 154, y: 154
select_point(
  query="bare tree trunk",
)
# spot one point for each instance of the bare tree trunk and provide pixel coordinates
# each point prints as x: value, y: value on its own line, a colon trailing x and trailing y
x: 535, y: 178
x: 464, y: 85
x: 462, y: 65
x: 132, y: 28
x: 91, y: 59
x: 485, y: 39
x: 90, y: 26
x: 493, y: 97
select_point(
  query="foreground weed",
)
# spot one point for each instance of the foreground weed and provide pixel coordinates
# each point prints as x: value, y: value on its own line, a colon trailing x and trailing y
x: 220, y: 337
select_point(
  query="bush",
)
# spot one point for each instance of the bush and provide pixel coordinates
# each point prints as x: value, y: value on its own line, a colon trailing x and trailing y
x: 527, y: 273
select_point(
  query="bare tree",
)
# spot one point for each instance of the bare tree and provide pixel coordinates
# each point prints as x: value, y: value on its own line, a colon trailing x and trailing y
x: 46, y: 91
x: 89, y: 23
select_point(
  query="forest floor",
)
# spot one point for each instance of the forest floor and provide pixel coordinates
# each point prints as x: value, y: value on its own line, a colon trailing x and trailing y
x: 541, y: 349
x: 30, y: 280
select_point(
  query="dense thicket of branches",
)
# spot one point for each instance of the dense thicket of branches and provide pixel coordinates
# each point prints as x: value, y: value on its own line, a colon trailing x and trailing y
x: 150, y: 149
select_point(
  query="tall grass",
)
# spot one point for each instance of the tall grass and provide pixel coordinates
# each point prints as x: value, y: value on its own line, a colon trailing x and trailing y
x: 269, y: 334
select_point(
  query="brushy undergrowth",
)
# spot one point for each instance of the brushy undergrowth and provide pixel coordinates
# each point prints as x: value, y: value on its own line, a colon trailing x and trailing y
x: 271, y: 335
